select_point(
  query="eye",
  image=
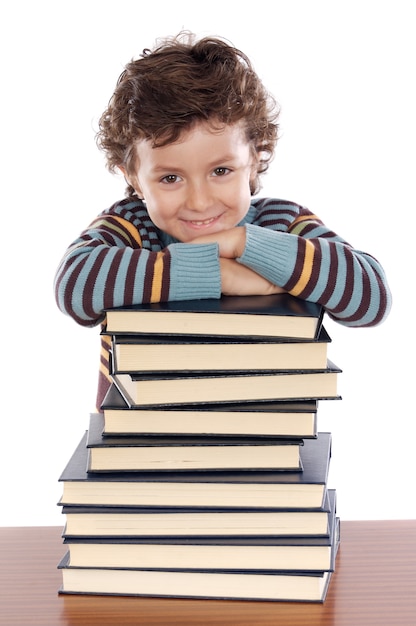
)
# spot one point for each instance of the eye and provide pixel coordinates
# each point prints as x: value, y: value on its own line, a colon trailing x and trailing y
x: 170, y: 178
x: 221, y: 171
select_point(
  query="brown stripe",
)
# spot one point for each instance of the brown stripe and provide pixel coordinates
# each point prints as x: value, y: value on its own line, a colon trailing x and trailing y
x: 331, y: 284
x: 63, y: 270
x: 69, y: 291
x: 147, y: 287
x: 130, y: 280
x: 297, y: 270
x: 348, y: 287
x: 165, y: 287
x: 382, y: 299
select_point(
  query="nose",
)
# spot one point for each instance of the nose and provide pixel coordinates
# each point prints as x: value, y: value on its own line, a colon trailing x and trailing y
x: 199, y: 196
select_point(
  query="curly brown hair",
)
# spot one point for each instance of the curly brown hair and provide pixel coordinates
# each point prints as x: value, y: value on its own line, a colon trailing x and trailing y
x: 183, y: 81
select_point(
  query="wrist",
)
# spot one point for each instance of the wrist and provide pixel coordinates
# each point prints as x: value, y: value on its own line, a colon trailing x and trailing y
x: 240, y: 242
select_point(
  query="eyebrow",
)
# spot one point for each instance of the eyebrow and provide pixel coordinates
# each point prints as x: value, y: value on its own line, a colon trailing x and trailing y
x: 177, y: 168
x: 164, y: 168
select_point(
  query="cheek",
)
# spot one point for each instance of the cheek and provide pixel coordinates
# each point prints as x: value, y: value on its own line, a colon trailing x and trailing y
x: 244, y: 194
x: 160, y: 213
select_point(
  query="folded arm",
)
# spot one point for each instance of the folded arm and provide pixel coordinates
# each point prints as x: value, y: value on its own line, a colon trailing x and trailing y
x: 313, y: 263
x: 119, y: 261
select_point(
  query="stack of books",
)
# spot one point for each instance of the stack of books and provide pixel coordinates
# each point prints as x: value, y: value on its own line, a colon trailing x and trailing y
x: 205, y: 475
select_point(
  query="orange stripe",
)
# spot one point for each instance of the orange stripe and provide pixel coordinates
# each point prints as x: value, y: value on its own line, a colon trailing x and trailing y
x: 306, y: 270
x: 297, y: 226
x: 157, y: 278
x: 105, y: 341
x: 105, y: 372
x: 304, y: 218
x: 105, y: 356
x: 132, y: 230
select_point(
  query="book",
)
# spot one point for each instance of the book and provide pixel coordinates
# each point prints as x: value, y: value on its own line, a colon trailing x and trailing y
x: 280, y: 315
x: 307, y: 553
x: 242, y: 585
x: 159, y: 353
x: 88, y: 521
x: 275, y: 419
x: 218, y: 489
x: 149, y: 453
x: 163, y: 389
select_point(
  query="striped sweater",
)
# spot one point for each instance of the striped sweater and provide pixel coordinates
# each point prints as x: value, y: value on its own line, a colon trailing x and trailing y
x: 123, y: 259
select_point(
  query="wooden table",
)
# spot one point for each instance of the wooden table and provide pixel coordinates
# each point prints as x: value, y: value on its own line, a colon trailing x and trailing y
x: 375, y: 584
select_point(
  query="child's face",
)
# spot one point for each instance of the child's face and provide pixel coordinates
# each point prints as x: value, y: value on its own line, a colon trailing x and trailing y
x: 198, y: 185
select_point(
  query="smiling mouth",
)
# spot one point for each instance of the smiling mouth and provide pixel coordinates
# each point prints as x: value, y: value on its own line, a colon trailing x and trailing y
x: 203, y: 222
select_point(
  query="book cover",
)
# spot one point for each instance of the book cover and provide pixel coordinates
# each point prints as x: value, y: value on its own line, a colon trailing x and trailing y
x: 158, y: 353
x: 149, y: 453
x: 231, y: 489
x: 306, y: 553
x: 274, y: 419
x: 163, y: 389
x: 280, y: 315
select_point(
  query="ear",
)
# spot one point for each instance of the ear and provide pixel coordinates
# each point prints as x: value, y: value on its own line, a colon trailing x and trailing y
x: 254, y: 170
x: 133, y: 182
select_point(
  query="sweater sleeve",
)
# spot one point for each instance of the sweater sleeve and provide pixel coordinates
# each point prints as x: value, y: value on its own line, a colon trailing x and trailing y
x: 119, y: 261
x: 313, y: 263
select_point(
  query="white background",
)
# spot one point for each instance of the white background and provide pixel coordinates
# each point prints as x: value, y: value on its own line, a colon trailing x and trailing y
x: 343, y: 73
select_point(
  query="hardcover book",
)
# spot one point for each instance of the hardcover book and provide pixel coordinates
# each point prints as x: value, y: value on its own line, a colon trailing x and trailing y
x: 275, y: 419
x: 280, y: 315
x: 217, y: 489
x: 148, y: 453
x: 159, y: 353
x: 242, y: 585
x: 162, y: 389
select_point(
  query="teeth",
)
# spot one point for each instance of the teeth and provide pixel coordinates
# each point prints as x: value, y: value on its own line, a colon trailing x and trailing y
x: 202, y: 222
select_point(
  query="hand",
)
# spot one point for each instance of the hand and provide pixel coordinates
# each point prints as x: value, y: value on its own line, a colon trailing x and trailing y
x: 239, y: 280
x: 231, y: 242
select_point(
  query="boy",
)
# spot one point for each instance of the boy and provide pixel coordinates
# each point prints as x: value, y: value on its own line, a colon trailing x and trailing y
x: 192, y: 128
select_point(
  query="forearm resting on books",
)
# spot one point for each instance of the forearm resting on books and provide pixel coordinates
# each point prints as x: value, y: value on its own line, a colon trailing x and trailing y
x: 238, y: 280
